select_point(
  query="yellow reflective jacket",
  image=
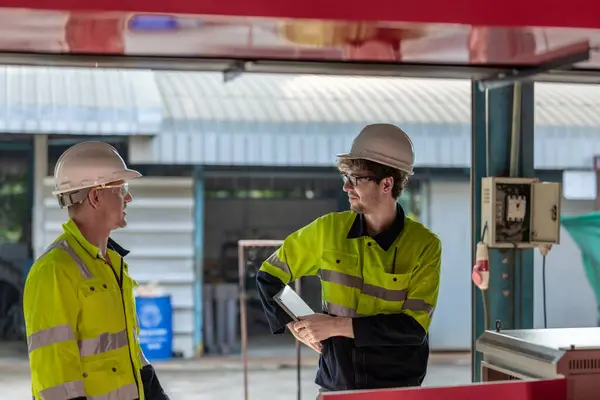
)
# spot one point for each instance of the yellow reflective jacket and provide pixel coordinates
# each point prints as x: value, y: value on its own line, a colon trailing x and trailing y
x: 81, y: 323
x: 388, y: 284
x: 413, y: 216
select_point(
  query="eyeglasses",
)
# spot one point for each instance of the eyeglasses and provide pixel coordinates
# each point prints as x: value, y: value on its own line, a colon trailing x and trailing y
x: 355, y: 180
x: 123, y: 189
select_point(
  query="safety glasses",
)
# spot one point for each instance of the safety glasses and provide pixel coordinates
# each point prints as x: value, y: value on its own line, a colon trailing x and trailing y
x: 355, y: 180
x: 122, y: 189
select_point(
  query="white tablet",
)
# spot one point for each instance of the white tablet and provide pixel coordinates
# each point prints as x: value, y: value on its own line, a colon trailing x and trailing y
x: 292, y: 304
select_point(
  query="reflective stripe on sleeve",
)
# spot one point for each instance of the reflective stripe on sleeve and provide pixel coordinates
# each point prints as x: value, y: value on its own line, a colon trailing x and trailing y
x: 357, y: 283
x: 418, y: 305
x: 276, y: 262
x: 385, y: 294
x: 88, y: 347
x: 69, y: 390
x: 128, y: 392
x: 341, y: 311
x: 341, y: 279
x: 103, y: 343
x: 47, y: 337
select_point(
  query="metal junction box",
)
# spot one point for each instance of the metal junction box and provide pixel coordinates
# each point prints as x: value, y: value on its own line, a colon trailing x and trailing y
x: 520, y: 212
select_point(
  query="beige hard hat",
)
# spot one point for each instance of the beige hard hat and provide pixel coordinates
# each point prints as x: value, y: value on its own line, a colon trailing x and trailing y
x: 384, y: 144
x: 86, y: 165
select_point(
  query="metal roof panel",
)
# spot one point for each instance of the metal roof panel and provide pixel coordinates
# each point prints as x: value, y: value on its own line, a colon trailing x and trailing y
x: 78, y: 101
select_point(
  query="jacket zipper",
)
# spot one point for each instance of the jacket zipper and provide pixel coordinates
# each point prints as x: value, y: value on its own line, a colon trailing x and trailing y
x: 120, y: 283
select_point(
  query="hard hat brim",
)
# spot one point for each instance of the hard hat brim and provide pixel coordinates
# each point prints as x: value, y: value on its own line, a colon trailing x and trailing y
x: 378, y: 158
x: 130, y: 174
x: 121, y: 176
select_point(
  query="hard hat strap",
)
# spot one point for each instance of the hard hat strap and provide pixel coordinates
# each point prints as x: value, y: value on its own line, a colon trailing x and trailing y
x: 68, y: 199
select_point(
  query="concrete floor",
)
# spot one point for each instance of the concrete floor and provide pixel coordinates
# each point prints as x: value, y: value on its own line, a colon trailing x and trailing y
x: 222, y: 378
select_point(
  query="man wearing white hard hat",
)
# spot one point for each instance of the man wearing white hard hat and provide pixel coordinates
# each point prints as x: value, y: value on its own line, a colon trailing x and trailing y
x: 379, y: 271
x: 80, y: 316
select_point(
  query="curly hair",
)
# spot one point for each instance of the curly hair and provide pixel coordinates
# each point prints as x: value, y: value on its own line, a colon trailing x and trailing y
x: 379, y: 170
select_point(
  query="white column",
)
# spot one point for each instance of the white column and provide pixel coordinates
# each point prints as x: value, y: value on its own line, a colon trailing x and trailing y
x: 40, y: 168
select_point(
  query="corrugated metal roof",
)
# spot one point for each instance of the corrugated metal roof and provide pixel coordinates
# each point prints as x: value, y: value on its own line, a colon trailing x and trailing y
x: 321, y: 99
x: 306, y: 120
x: 335, y: 99
x: 79, y: 101
x: 280, y: 119
x: 301, y: 144
x: 286, y: 120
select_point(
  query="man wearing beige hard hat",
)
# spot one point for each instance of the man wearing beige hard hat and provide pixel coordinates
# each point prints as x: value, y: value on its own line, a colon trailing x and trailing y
x: 80, y: 316
x: 379, y: 271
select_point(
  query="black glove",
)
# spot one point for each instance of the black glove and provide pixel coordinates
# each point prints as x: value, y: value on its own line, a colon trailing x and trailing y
x: 152, y: 388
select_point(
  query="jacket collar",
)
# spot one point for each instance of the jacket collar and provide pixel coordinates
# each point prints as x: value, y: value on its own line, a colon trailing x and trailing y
x: 71, y: 228
x: 384, y: 239
x: 116, y: 247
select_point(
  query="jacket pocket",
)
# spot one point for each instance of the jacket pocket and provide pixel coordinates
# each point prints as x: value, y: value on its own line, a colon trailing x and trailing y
x: 341, y: 282
x: 340, y: 261
x: 102, y: 308
x: 103, y: 374
x: 384, y: 293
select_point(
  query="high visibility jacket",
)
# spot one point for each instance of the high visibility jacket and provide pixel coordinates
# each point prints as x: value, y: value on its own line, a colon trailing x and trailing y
x: 81, y: 323
x: 413, y: 216
x: 389, y: 287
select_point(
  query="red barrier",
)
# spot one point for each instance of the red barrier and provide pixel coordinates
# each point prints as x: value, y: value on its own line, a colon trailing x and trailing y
x: 555, y: 389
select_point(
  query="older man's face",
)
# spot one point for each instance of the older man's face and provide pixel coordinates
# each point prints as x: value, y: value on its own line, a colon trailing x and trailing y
x: 113, y: 200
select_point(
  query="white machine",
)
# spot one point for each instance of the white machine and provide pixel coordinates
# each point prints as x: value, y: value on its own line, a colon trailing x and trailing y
x: 531, y: 354
x: 520, y: 212
x: 525, y: 213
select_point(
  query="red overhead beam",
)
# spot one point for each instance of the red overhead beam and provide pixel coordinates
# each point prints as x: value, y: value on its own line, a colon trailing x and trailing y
x: 547, y: 13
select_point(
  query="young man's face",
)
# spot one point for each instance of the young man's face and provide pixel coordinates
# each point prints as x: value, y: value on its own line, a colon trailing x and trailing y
x: 365, y: 194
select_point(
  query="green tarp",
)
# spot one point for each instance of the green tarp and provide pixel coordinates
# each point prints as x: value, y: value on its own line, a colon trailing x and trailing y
x: 585, y: 231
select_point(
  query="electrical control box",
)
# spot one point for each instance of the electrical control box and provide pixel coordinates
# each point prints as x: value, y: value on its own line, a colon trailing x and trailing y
x: 520, y: 212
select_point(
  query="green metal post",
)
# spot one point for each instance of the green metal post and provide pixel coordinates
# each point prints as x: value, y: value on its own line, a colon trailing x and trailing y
x: 510, y: 296
x: 199, y: 197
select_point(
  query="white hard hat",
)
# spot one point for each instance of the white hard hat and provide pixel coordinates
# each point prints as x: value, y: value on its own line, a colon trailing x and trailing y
x: 86, y: 165
x: 384, y: 144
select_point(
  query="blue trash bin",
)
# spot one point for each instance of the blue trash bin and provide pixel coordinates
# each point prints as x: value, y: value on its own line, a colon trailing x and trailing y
x: 156, y: 326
